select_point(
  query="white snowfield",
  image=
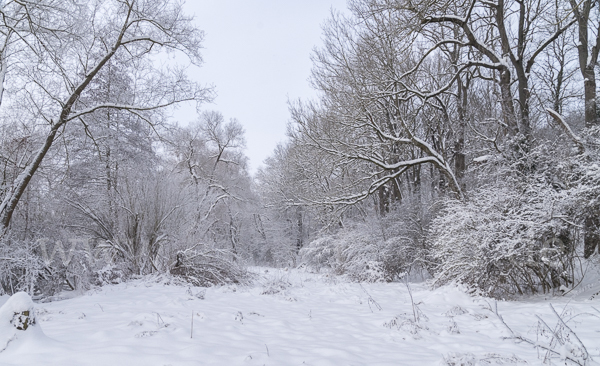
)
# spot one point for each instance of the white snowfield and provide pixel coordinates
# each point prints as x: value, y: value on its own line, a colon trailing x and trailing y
x: 298, y: 318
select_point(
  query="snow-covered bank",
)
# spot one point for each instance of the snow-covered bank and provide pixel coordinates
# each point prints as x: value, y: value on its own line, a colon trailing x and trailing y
x: 294, y: 318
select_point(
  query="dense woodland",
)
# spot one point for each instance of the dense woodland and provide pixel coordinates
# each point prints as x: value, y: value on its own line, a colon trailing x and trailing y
x: 451, y: 141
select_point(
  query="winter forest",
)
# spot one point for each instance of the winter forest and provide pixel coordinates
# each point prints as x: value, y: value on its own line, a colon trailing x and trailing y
x: 453, y: 151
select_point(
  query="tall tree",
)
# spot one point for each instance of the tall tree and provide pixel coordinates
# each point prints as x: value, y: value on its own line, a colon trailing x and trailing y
x: 588, y: 21
x: 210, y: 155
x: 71, y: 45
x: 511, y: 35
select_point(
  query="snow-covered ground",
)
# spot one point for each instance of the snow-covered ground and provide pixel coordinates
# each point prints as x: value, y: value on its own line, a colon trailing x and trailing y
x: 297, y: 318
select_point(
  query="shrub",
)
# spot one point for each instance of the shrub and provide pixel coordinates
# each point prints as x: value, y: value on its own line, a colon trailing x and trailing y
x: 209, y: 267
x: 378, y: 248
x: 503, y: 241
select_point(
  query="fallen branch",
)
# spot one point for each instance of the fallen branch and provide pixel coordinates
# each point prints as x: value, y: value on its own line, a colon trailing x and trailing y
x: 561, y: 121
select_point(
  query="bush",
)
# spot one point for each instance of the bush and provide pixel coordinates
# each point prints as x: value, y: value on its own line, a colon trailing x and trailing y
x: 583, y: 205
x: 376, y: 251
x: 503, y: 241
x: 353, y: 252
x: 20, y: 267
x: 209, y: 267
x: 379, y: 248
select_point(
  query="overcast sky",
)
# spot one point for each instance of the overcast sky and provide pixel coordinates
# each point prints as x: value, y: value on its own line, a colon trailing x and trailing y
x: 257, y: 55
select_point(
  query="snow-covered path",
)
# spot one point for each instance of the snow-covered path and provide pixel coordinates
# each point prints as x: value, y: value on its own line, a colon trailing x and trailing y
x: 292, y: 318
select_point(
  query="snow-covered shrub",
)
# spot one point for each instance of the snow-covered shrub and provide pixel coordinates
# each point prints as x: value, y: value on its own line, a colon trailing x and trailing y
x: 320, y: 253
x: 71, y: 264
x: 276, y: 284
x: 209, y: 267
x: 503, y: 241
x: 583, y: 205
x: 517, y: 233
x: 376, y: 249
x: 402, y: 255
x: 26, y: 266
x: 360, y: 254
x: 110, y: 274
x: 20, y: 266
x: 354, y: 253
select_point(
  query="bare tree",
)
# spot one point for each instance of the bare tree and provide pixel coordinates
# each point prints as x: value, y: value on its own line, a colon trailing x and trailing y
x: 588, y: 22
x: 510, y: 35
x: 67, y: 61
x: 210, y: 155
x: 380, y: 118
x: 285, y: 223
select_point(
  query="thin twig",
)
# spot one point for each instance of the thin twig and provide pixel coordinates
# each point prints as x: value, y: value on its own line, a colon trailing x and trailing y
x: 586, y: 355
x: 519, y: 337
x: 412, y: 301
x: 192, y: 330
x: 370, y: 299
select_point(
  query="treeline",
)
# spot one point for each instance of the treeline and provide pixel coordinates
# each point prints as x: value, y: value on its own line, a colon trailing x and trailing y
x: 456, y: 141
x: 98, y: 182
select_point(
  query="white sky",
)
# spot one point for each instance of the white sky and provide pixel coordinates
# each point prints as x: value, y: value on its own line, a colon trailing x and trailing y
x: 257, y: 55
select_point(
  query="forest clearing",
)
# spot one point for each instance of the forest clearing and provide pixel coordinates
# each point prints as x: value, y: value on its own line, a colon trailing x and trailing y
x: 293, y: 317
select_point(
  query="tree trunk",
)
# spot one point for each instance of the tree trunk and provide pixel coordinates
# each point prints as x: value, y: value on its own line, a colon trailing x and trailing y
x: 459, y: 146
x: 508, y: 108
x: 589, y: 86
x: 9, y: 204
x: 300, y: 238
x: 591, y: 238
x: 587, y: 58
x: 10, y: 201
x: 524, y: 96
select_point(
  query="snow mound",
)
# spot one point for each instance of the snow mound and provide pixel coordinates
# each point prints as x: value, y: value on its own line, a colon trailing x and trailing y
x: 17, y: 322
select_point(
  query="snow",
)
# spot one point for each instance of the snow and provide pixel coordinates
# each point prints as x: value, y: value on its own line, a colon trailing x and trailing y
x: 11, y: 317
x: 482, y: 159
x: 292, y: 318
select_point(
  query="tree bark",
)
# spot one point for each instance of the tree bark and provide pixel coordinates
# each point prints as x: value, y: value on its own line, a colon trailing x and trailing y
x: 300, y: 222
x: 591, y: 238
x: 589, y: 86
x: 9, y: 204
x: 460, y: 165
x: 587, y: 58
